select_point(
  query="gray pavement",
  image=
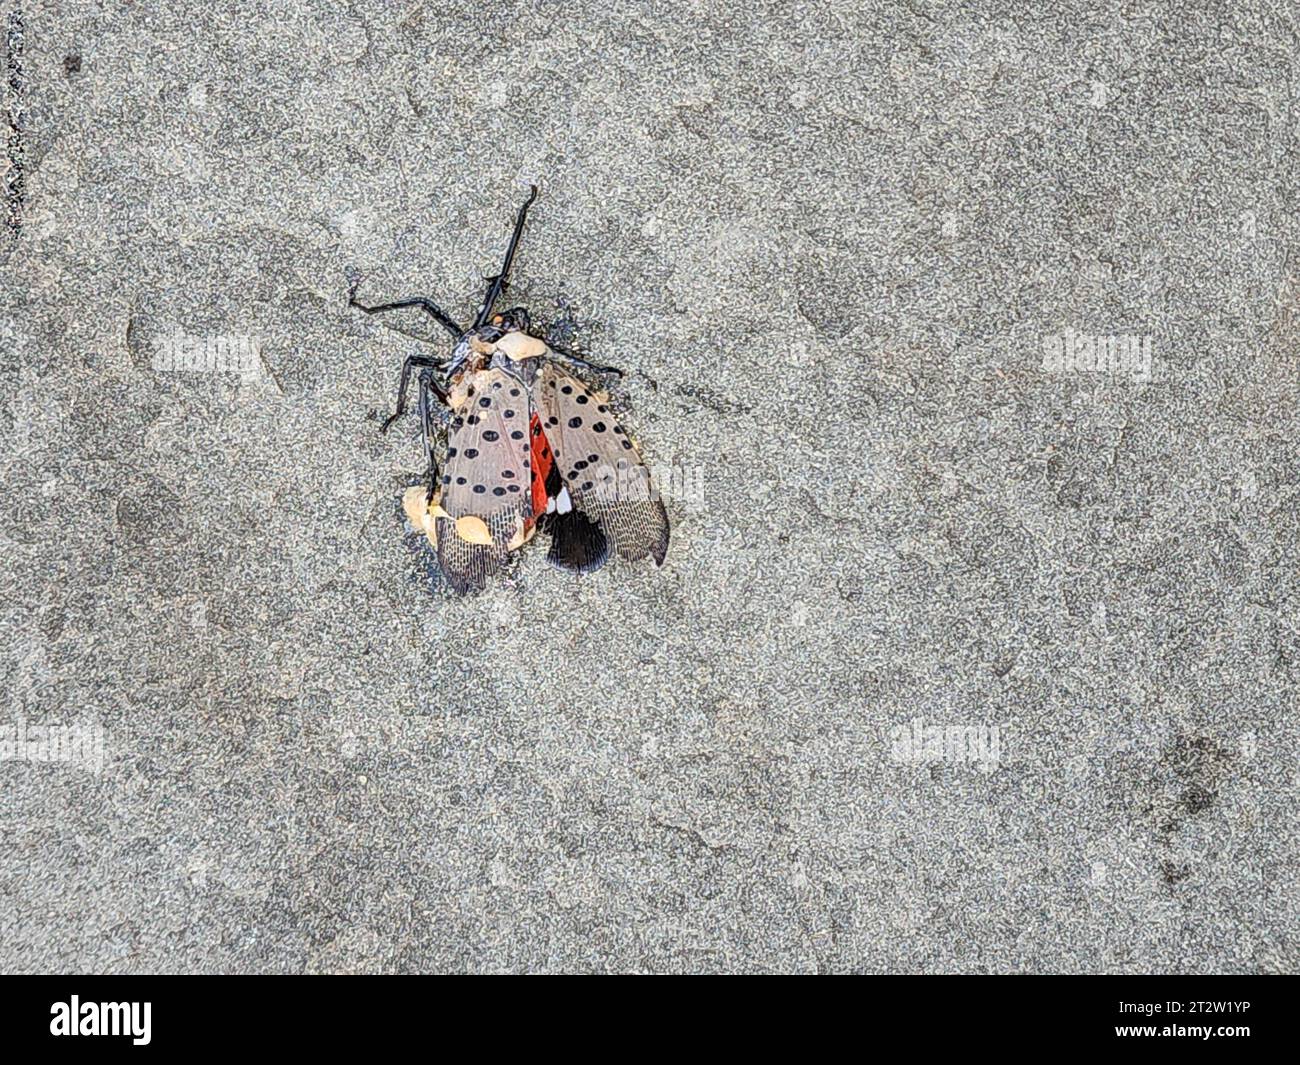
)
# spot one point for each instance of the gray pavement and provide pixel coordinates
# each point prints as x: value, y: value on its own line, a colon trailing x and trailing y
x: 962, y: 660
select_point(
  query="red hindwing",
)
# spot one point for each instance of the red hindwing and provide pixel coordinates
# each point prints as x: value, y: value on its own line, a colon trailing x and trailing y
x: 542, y: 463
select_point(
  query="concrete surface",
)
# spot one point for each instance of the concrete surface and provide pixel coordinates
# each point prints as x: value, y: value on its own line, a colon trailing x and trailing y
x: 829, y: 240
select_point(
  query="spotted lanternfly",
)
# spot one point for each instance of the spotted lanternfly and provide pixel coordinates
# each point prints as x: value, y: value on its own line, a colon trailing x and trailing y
x: 529, y: 447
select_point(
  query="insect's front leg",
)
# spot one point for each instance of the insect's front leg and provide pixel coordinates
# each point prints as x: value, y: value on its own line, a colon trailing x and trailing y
x: 423, y: 302
x: 425, y: 363
x: 497, y: 282
x: 432, y: 408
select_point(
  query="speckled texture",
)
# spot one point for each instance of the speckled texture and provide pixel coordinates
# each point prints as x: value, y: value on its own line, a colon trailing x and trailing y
x: 828, y: 246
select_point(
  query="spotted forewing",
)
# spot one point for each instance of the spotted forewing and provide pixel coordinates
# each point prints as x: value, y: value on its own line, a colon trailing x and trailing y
x: 488, y: 477
x: 600, y: 466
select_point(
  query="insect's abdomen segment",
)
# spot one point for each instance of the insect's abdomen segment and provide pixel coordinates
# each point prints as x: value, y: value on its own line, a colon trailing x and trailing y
x: 543, y: 465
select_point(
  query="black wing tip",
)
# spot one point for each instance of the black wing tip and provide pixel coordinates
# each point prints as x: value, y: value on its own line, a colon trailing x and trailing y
x: 461, y: 583
x: 660, y: 551
x: 639, y: 530
x: 578, y: 544
x: 466, y: 567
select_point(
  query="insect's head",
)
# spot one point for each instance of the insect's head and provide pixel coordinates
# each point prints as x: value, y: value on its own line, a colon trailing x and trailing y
x: 516, y: 318
x: 470, y: 354
x: 504, y: 334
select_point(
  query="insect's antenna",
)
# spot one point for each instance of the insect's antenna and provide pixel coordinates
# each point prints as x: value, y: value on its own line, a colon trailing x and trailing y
x: 499, y: 282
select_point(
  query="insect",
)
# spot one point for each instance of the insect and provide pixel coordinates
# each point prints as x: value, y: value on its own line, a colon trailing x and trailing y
x: 529, y: 447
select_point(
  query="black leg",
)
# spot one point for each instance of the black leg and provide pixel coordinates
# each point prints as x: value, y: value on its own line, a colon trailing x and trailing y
x: 429, y: 387
x: 411, y: 361
x: 579, y: 361
x: 426, y: 305
x: 498, y: 282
